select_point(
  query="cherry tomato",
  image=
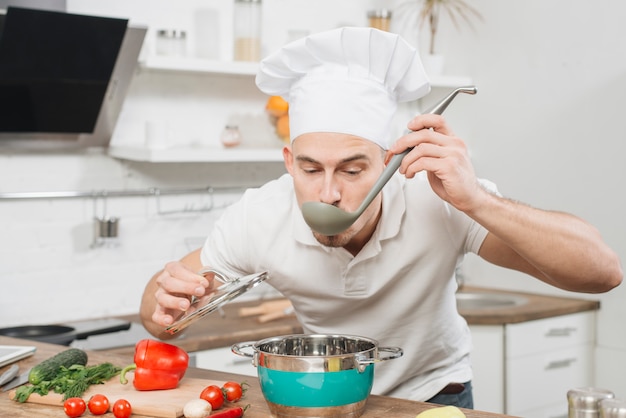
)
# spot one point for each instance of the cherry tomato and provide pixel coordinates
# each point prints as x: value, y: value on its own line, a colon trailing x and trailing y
x: 213, y: 395
x: 122, y: 409
x: 233, y: 391
x: 74, y: 407
x: 98, y: 404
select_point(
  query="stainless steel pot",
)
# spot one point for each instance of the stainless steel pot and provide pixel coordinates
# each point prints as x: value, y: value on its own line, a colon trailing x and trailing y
x: 312, y: 375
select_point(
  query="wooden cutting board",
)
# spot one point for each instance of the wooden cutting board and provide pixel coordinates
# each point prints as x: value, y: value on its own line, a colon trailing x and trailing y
x: 154, y: 403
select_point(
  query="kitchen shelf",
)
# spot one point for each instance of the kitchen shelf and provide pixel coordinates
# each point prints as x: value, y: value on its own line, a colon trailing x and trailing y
x: 243, y: 68
x: 198, y: 65
x: 190, y: 65
x: 197, y: 154
x: 450, y: 81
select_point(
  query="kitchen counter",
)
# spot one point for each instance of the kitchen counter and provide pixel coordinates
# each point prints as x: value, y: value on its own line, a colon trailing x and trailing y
x: 377, y: 406
x: 536, y: 307
x: 224, y: 330
x: 217, y: 330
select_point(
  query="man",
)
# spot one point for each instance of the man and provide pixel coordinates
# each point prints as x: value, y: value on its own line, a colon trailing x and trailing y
x: 390, y: 276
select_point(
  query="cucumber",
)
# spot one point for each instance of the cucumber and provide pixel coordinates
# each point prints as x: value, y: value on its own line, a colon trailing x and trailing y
x: 48, y: 369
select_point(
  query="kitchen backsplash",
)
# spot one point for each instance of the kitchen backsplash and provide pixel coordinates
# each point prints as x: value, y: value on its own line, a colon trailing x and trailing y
x: 52, y: 271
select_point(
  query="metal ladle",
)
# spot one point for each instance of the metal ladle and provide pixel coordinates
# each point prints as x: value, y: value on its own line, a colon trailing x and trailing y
x: 330, y: 220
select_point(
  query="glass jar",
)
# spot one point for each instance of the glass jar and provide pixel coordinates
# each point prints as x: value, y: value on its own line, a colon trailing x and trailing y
x: 231, y: 137
x: 379, y: 19
x: 247, y: 24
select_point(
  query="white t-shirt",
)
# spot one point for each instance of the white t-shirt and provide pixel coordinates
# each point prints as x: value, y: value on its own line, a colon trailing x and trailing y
x: 398, y: 290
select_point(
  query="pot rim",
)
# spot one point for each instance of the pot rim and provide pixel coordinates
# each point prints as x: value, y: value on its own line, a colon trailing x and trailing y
x: 256, y: 345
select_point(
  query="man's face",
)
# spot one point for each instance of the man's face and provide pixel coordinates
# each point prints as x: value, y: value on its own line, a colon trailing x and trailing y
x: 340, y: 170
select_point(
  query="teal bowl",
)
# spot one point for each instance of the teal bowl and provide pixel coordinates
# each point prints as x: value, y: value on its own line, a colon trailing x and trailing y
x: 305, y: 375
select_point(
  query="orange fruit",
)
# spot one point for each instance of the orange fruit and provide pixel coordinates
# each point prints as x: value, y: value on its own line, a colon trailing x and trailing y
x: 282, y: 127
x: 277, y: 106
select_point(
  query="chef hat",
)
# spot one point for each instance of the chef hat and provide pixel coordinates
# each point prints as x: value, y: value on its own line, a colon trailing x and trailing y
x: 347, y: 80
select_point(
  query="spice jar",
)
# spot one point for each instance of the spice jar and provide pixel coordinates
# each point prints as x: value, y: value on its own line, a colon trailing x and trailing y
x: 612, y: 408
x: 171, y: 42
x: 247, y: 24
x: 231, y: 137
x: 584, y: 402
x: 379, y: 19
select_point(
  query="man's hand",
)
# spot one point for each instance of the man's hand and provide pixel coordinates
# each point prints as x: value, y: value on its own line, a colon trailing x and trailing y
x: 176, y: 284
x: 168, y: 294
x: 444, y: 156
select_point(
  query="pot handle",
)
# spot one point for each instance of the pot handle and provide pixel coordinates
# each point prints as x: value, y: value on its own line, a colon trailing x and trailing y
x: 394, y: 352
x: 237, y: 349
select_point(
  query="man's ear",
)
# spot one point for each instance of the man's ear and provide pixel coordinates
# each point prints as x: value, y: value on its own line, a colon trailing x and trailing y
x: 388, y: 155
x: 288, y: 158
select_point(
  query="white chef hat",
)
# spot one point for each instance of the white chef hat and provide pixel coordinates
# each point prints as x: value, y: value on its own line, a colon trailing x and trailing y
x: 347, y: 80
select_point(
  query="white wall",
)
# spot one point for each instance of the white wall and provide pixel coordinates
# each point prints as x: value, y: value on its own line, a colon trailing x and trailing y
x: 546, y: 126
x: 49, y: 270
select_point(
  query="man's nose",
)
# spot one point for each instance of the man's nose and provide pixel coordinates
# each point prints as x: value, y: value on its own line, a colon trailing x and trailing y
x: 330, y: 192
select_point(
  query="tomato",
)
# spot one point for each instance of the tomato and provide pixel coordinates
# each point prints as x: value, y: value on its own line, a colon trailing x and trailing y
x: 213, y: 395
x: 74, y: 407
x: 122, y: 409
x: 233, y: 391
x: 98, y: 404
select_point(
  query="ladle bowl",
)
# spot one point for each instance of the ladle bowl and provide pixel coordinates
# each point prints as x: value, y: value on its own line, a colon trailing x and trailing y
x: 330, y: 220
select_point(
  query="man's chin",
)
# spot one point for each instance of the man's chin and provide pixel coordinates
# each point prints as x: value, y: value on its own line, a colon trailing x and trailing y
x: 339, y: 240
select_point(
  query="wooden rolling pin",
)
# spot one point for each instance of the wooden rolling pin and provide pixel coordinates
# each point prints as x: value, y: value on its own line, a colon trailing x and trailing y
x: 265, y: 307
x: 282, y: 313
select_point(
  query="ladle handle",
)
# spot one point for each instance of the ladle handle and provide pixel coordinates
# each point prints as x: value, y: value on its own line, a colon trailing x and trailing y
x: 443, y: 104
x: 396, y: 160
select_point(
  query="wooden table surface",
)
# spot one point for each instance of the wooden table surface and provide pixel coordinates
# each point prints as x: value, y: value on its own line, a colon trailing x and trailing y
x: 377, y: 406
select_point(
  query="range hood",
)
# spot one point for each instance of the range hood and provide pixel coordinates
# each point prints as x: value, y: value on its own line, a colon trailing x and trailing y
x: 63, y: 77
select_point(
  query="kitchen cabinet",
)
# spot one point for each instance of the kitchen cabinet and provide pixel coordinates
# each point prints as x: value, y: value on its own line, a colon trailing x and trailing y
x: 526, y: 368
x: 258, y: 149
x: 224, y: 360
x: 488, y: 366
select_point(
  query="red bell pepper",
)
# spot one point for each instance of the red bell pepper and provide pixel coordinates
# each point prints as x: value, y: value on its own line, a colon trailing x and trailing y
x: 157, y: 366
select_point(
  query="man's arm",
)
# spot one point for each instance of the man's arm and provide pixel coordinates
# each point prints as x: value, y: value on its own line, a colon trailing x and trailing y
x: 167, y: 294
x: 557, y: 248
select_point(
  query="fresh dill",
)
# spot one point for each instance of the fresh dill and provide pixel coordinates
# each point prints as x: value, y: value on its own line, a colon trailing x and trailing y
x: 70, y: 381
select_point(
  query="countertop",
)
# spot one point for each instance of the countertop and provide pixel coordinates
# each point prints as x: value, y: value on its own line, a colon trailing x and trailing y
x: 217, y: 330
x: 536, y: 307
x: 377, y: 406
